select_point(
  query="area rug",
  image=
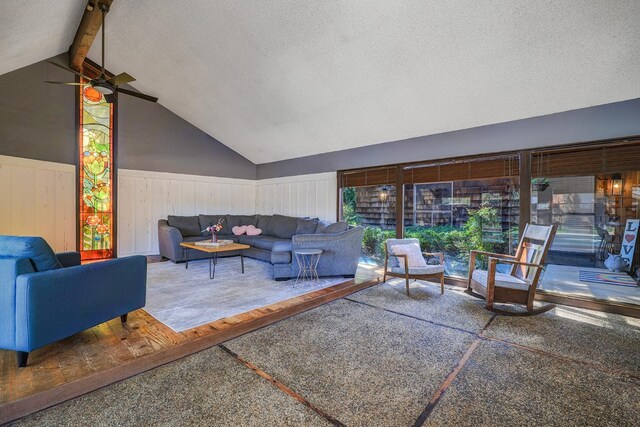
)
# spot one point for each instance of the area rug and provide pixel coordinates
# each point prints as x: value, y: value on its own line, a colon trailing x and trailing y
x: 609, y: 278
x: 183, y: 299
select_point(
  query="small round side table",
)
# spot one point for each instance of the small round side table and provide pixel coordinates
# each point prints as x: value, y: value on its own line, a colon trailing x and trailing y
x: 307, y: 260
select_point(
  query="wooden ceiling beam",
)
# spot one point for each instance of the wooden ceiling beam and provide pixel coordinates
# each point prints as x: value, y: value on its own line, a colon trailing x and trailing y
x: 87, y: 30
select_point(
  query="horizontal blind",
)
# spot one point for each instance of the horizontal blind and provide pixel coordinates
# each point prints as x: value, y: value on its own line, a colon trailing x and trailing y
x: 468, y: 169
x: 374, y: 176
x: 609, y: 157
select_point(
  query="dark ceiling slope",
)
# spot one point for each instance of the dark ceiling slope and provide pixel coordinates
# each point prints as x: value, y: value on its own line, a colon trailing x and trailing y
x: 38, y: 121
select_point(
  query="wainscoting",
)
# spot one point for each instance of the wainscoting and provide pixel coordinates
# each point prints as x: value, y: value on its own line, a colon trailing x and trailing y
x: 38, y: 199
x: 312, y: 195
x: 144, y: 197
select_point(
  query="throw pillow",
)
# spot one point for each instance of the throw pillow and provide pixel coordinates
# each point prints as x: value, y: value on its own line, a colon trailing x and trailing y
x: 233, y: 220
x: 337, y: 227
x: 263, y: 221
x: 282, y: 226
x: 413, y: 253
x: 253, y: 231
x: 239, y: 230
x: 306, y: 226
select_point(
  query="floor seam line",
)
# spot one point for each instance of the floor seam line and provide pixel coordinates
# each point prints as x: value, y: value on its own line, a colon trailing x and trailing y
x: 475, y: 334
x: 428, y: 410
x: 282, y: 387
x: 450, y: 378
x: 482, y: 336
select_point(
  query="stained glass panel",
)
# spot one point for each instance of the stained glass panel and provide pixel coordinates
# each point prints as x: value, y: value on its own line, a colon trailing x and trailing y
x: 96, y: 175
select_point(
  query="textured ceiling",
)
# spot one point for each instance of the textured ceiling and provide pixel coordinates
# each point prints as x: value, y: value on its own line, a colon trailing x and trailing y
x: 33, y: 30
x: 278, y: 79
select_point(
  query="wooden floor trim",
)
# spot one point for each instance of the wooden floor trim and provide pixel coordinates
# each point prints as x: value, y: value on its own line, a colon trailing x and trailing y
x: 19, y: 408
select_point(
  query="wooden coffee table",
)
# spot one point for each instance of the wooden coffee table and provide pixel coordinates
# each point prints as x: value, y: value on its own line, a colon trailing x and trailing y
x: 213, y: 252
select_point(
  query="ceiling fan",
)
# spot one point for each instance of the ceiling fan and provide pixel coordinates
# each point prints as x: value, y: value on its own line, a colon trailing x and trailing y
x: 106, y: 86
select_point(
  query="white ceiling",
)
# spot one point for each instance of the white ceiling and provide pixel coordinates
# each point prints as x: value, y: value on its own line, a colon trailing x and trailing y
x: 275, y: 79
x: 31, y: 31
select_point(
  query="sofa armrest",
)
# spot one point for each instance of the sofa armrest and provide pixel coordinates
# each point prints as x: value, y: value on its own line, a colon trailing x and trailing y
x: 169, y: 239
x: 340, y: 251
x: 55, y: 304
x: 69, y: 259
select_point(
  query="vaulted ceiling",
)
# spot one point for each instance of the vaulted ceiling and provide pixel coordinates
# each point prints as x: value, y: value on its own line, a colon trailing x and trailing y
x: 277, y: 79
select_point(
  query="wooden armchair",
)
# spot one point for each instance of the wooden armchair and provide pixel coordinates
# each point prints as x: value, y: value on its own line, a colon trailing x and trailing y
x: 519, y: 285
x: 399, y: 263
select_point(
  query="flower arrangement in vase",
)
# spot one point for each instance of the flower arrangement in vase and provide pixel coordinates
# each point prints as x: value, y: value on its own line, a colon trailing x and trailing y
x: 214, y: 230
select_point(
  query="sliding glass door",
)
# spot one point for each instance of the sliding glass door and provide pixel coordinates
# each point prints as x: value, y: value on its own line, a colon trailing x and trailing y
x: 592, y: 194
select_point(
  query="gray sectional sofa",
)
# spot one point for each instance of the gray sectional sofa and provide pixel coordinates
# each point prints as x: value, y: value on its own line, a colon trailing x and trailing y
x: 281, y: 235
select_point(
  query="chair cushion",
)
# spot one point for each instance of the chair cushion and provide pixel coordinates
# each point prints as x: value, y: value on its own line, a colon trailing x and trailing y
x: 502, y: 280
x: 429, y: 269
x: 187, y: 225
x: 413, y: 252
x: 281, y: 226
x: 35, y: 248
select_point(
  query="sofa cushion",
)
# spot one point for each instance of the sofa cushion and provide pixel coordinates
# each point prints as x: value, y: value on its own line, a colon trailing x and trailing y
x: 262, y: 221
x: 237, y: 220
x: 246, y: 240
x: 336, y: 227
x: 267, y: 242
x: 306, y: 226
x: 35, y: 248
x: 187, y: 225
x: 207, y: 220
x: 281, y: 226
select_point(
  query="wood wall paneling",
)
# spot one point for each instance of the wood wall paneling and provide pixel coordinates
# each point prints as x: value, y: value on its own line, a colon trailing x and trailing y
x: 311, y: 195
x: 145, y: 197
x: 38, y: 199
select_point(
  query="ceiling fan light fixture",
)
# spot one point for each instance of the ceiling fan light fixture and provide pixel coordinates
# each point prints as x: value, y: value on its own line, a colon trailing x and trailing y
x: 102, y: 87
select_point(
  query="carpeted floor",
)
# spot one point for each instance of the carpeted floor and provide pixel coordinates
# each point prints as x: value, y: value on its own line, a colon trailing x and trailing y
x: 185, y: 298
x: 378, y: 358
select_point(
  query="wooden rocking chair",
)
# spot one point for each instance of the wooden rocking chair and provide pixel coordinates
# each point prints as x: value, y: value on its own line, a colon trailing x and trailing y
x: 402, y: 269
x: 519, y: 286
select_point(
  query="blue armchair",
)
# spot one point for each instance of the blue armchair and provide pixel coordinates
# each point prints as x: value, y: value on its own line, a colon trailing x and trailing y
x: 46, y: 297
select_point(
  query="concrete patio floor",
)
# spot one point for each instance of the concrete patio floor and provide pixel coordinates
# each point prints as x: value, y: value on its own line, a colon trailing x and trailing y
x: 379, y: 358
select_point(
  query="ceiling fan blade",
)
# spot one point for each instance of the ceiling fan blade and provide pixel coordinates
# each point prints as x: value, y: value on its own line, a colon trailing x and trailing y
x: 121, y: 79
x: 137, y: 94
x: 110, y: 98
x: 66, y: 83
x: 71, y: 70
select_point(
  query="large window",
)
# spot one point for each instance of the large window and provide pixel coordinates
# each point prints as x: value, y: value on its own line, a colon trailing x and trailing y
x: 369, y: 199
x: 374, y: 208
x: 590, y: 191
x: 457, y: 216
